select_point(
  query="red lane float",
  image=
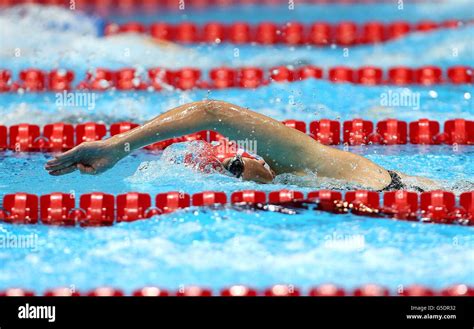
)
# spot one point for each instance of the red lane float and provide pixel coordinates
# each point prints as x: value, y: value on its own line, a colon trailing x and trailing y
x: 416, y: 290
x: 133, y: 206
x: 424, y: 131
x: 32, y: 80
x: 239, y: 291
x: 61, y: 292
x: 186, y: 32
x: 309, y: 71
x: 400, y: 75
x: 326, y: 131
x: 346, y: 33
x: 284, y: 196
x: 222, y: 78
x: 209, y: 198
x: 16, y: 292
x: 466, y: 201
x: 5, y: 80
x: 327, y: 290
x: 460, y: 74
x: 398, y: 29
x: 89, y: 132
x: 150, y: 292
x: 401, y: 204
x: 98, y: 209
x: 282, y: 74
x: 133, y: 27
x: 56, y: 209
x: 162, y: 31
x: 391, y: 132
x: 327, y: 200
x: 187, y: 78
x: 321, y: 34
x: 369, y: 75
x: 105, y: 292
x: 341, y: 74
x: 424, y: 26
x: 59, y: 137
x: 428, y: 75
x: 127, y: 79
x: 20, y: 208
x: 459, y: 131
x: 363, y: 202
x: 282, y: 290
x: 267, y: 33
x: 357, y: 131
x: 60, y: 80
x: 373, y: 32
x: 457, y: 290
x: 3, y: 138
x: 248, y: 197
x: 214, y: 32
x: 240, y: 33
x: 171, y: 201
x: 100, y: 79
x: 293, y: 33
x: 371, y: 290
x: 296, y: 124
x: 194, y: 291
x: 250, y: 77
x: 160, y: 77
x: 24, y: 137
x: 437, y: 206
x: 121, y: 127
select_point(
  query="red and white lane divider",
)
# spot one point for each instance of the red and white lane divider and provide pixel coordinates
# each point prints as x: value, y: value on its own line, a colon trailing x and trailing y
x: 279, y: 290
x: 292, y: 33
x: 157, y: 79
x: 60, y: 136
x: 102, y: 209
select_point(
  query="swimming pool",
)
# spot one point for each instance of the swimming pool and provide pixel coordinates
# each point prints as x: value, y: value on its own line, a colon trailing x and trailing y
x: 224, y: 246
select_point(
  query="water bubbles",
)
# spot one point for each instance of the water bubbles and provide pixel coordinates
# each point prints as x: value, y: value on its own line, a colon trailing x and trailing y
x: 433, y: 94
x: 467, y: 96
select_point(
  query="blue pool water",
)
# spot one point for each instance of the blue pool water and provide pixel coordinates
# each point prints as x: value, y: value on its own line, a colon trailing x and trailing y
x: 220, y: 247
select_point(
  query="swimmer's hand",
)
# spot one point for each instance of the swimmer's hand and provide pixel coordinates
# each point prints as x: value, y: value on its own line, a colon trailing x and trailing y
x: 89, y: 158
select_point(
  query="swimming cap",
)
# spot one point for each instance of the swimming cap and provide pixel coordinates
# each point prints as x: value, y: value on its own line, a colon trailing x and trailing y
x: 208, y: 158
x: 203, y: 158
x: 228, y: 149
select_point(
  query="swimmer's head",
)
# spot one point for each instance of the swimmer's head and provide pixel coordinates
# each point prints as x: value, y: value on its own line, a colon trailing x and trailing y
x: 237, y: 163
x: 249, y: 169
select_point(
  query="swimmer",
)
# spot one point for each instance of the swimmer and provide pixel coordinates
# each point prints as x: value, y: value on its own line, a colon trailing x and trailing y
x: 282, y: 149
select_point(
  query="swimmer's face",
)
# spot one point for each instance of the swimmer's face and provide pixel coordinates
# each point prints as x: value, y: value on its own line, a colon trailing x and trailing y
x: 254, y: 170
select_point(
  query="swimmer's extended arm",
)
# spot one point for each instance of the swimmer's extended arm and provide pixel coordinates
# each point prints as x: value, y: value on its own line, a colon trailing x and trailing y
x: 280, y: 146
x: 285, y: 149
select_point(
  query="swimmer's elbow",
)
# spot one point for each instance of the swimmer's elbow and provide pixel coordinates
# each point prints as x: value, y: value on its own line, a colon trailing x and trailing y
x: 214, y: 110
x: 212, y: 114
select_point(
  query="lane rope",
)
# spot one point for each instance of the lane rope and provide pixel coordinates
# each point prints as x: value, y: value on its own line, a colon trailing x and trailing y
x: 161, y: 79
x: 278, y: 290
x: 58, y: 137
x: 103, y: 209
x: 293, y: 33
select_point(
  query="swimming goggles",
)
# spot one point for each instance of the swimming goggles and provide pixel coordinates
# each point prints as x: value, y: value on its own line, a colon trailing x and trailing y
x: 236, y: 166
